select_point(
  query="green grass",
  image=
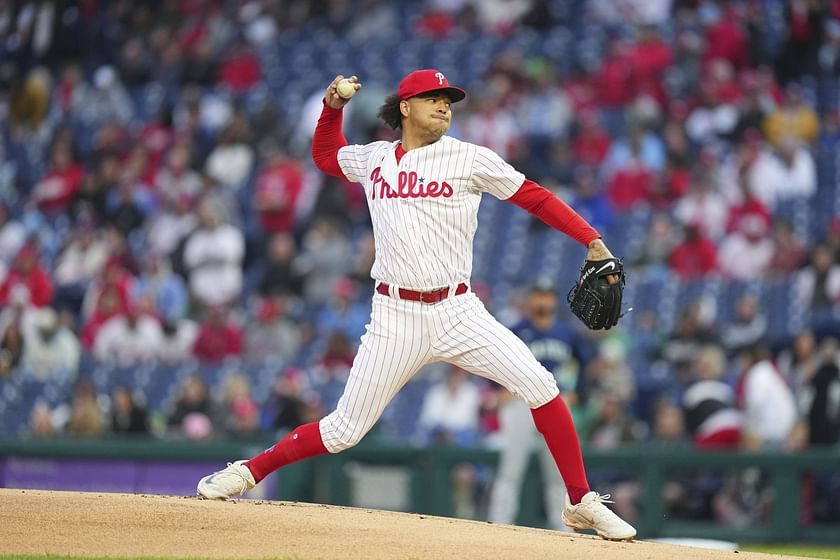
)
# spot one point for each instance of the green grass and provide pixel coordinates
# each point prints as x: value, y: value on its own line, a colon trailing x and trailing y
x: 794, y: 550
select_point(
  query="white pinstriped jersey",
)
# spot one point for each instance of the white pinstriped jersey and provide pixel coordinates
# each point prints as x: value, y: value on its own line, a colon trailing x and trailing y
x: 425, y: 209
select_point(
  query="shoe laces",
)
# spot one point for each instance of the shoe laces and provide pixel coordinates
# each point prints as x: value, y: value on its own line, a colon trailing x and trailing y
x: 600, y: 511
x: 605, y: 499
x: 235, y: 471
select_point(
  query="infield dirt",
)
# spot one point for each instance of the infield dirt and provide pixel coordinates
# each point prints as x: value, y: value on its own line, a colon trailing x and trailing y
x: 89, y: 524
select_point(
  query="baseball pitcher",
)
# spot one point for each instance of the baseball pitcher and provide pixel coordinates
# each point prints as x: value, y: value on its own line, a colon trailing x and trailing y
x: 423, y: 192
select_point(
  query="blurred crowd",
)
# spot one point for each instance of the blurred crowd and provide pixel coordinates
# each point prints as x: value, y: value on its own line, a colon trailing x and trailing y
x: 160, y: 206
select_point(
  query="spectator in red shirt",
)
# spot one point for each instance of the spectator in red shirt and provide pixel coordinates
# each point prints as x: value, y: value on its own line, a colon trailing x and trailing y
x: 29, y: 272
x: 748, y: 205
x: 241, y: 70
x: 434, y: 23
x: 720, y: 75
x: 156, y: 137
x: 615, y: 78
x: 615, y: 86
x: 726, y: 39
x: 633, y: 180
x: 630, y: 185
x: 581, y: 90
x: 54, y: 192
x: 591, y: 143
x: 278, y: 187
x: 115, y: 278
x: 695, y: 257
x: 669, y: 186
x: 650, y: 57
x: 109, y: 304
x: 218, y: 336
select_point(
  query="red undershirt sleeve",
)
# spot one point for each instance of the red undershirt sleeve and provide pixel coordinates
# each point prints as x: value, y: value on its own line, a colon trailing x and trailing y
x: 543, y: 204
x: 327, y: 140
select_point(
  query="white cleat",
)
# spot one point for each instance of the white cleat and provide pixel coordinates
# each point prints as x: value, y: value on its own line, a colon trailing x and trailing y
x: 230, y: 481
x: 591, y: 513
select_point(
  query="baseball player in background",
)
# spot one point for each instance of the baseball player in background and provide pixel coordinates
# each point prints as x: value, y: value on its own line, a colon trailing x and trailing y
x: 564, y: 354
x: 423, y: 192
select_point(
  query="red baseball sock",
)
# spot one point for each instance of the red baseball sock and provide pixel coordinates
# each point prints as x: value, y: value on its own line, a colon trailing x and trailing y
x: 301, y: 443
x: 554, y: 422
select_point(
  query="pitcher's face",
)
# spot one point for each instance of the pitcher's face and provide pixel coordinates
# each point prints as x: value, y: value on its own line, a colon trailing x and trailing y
x: 430, y: 113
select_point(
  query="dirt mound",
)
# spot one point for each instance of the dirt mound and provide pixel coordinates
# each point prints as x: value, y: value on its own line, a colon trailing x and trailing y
x: 88, y: 524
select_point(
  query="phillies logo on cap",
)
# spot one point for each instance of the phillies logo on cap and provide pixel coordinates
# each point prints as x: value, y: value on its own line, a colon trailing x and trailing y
x: 425, y: 81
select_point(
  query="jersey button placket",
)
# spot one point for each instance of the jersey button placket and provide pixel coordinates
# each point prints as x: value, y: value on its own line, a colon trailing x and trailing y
x: 404, y: 202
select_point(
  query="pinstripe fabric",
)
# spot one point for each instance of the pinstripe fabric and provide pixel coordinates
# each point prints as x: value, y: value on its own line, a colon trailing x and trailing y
x: 425, y: 242
x: 353, y: 159
x: 403, y: 336
x: 394, y: 347
x: 469, y: 337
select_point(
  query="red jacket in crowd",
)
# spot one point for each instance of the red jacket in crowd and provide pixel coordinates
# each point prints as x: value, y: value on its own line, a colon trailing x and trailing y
x: 217, y: 341
x: 29, y: 273
x: 695, y: 257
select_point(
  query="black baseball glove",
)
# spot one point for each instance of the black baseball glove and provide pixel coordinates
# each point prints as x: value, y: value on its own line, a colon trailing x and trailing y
x: 595, y: 300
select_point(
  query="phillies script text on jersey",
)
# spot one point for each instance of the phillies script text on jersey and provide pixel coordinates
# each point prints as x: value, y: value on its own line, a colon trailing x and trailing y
x: 408, y: 186
x: 424, y: 207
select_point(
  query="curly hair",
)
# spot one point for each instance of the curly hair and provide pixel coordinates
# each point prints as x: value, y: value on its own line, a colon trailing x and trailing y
x: 390, y: 113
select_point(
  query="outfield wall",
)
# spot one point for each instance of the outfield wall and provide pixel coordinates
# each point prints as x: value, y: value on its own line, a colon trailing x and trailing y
x: 421, y: 479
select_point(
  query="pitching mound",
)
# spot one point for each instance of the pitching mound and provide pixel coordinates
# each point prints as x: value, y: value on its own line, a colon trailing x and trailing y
x: 86, y: 524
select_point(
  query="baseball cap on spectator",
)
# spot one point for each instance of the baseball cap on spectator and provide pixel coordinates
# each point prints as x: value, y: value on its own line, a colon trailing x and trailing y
x: 424, y: 81
x: 543, y: 285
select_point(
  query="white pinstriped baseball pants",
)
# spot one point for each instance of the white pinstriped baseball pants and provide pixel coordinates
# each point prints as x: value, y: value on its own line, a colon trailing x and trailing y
x: 403, y: 336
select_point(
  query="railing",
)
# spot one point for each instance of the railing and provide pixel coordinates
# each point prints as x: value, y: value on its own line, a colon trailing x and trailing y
x: 327, y: 479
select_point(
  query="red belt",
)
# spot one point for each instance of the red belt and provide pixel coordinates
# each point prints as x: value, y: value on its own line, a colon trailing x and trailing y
x: 425, y: 297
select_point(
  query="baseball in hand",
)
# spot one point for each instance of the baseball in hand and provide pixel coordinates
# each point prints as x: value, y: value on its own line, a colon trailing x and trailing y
x: 345, y: 89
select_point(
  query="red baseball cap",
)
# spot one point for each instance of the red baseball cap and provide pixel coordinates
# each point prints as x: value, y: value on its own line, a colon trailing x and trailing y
x: 424, y: 81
